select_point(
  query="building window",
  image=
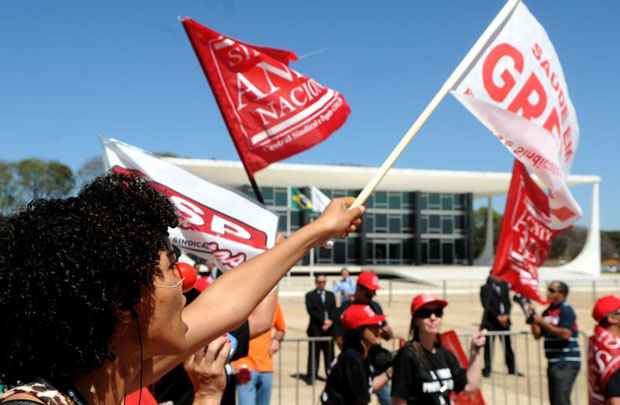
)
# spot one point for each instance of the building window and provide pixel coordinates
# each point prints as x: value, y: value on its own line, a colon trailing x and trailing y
x: 281, y: 197
x: 434, y: 225
x: 424, y: 224
x: 380, y: 199
x: 435, y: 250
x: 446, y: 225
x: 394, y: 201
x: 423, y: 201
x: 434, y: 201
x: 394, y: 224
x: 380, y: 223
x: 446, y: 202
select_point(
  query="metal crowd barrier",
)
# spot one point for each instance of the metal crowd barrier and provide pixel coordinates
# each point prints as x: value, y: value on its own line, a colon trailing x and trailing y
x: 499, y: 389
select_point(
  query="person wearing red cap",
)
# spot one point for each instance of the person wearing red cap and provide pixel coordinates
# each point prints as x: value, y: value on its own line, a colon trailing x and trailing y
x: 425, y: 372
x: 365, y: 290
x: 350, y: 380
x: 604, y: 353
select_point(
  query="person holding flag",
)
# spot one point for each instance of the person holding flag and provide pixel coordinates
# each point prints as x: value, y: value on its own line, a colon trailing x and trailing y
x: 604, y: 353
x: 111, y: 318
x: 558, y: 326
x: 424, y: 371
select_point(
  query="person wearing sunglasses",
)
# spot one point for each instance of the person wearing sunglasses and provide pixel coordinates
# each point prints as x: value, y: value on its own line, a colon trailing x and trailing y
x: 558, y: 326
x: 604, y: 353
x: 92, y: 304
x: 351, y: 380
x: 425, y: 372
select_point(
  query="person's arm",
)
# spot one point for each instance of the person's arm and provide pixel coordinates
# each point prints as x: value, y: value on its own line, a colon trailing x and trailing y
x: 563, y: 329
x: 613, y: 401
x: 536, y: 330
x: 398, y: 401
x: 380, y: 380
x: 233, y: 296
x: 277, y: 339
x: 474, y: 371
x: 261, y: 318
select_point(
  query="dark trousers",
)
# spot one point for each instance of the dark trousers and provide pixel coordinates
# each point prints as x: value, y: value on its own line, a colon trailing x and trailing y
x: 561, y: 377
x: 314, y: 351
x: 509, y: 355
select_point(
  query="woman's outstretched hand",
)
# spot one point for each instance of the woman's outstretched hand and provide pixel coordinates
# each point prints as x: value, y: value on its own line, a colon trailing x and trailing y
x: 339, y: 219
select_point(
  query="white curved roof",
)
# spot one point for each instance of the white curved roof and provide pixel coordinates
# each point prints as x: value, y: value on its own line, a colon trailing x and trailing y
x: 355, y: 177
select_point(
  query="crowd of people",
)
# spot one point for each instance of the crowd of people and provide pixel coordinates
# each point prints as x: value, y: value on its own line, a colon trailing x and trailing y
x: 96, y: 309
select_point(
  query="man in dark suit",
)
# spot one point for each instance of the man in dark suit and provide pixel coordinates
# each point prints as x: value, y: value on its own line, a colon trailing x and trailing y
x: 495, y: 299
x: 321, y: 307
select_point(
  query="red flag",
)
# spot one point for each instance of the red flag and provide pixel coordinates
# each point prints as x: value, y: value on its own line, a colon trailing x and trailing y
x: 271, y: 111
x: 450, y: 341
x: 525, y: 237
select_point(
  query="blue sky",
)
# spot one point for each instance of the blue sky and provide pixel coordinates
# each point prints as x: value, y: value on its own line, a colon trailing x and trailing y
x: 73, y: 70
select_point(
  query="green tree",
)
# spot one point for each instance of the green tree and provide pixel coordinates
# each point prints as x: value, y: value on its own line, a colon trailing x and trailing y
x: 37, y: 178
x: 8, y: 189
x: 90, y: 169
x: 480, y: 229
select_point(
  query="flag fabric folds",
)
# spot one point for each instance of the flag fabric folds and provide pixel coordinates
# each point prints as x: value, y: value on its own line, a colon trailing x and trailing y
x: 300, y: 201
x: 271, y: 111
x: 525, y: 236
x: 214, y: 222
x: 319, y: 200
x: 517, y: 89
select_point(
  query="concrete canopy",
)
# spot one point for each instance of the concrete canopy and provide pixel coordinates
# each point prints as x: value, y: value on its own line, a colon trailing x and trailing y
x: 356, y: 177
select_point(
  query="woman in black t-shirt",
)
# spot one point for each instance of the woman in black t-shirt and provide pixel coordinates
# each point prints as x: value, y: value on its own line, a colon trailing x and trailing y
x: 425, y: 372
x: 349, y: 381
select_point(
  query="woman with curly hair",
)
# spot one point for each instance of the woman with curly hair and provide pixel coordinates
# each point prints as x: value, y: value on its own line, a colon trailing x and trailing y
x: 91, y: 302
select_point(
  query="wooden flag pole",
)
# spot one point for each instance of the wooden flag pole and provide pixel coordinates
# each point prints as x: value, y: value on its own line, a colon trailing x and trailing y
x: 473, y: 54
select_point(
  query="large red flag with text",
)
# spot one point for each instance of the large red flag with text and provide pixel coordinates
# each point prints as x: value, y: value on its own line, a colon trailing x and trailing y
x: 525, y: 237
x: 271, y: 111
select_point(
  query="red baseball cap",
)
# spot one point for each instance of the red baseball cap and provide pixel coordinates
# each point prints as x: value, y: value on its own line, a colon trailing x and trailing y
x: 360, y: 315
x: 369, y: 280
x: 605, y: 306
x: 421, y: 300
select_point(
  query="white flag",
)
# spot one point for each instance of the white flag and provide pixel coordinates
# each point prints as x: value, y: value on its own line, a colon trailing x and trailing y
x: 215, y: 223
x: 319, y: 200
x: 517, y: 90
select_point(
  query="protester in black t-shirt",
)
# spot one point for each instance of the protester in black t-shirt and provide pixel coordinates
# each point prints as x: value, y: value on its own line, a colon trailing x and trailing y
x: 425, y: 372
x: 365, y: 290
x: 349, y: 381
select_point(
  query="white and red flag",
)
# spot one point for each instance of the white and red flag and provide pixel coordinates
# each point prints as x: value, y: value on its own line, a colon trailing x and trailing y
x: 214, y: 222
x: 525, y: 236
x: 271, y: 111
x: 517, y: 89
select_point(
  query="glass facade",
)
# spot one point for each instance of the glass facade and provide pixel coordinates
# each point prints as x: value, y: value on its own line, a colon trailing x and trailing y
x: 400, y: 228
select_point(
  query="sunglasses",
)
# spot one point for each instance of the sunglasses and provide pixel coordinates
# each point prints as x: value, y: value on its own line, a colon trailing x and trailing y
x: 427, y: 312
x: 552, y: 290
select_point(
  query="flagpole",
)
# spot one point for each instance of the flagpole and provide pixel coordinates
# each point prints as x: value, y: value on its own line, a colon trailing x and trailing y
x: 257, y: 193
x: 452, y: 81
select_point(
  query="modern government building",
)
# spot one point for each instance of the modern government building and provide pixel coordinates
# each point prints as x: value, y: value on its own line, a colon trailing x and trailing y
x: 415, y: 217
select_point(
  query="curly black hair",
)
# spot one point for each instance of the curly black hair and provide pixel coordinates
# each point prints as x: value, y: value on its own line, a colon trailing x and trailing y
x: 67, y: 269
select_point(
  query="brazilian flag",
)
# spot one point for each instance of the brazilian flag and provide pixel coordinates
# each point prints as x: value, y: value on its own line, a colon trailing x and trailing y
x: 299, y: 200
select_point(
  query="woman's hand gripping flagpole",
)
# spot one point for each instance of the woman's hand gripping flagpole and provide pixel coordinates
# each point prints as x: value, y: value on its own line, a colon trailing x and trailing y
x: 450, y: 84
